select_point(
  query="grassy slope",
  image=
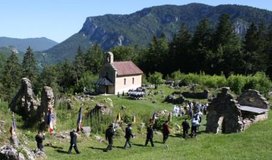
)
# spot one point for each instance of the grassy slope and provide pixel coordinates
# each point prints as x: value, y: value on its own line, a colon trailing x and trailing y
x: 254, y: 143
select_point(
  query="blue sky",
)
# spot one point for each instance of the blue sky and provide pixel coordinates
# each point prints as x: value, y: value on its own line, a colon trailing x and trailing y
x: 59, y: 19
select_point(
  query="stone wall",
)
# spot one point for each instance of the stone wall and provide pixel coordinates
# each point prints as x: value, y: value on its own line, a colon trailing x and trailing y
x: 223, y: 114
x: 253, y: 98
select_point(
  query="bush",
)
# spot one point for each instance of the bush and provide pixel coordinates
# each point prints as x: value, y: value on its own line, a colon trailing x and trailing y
x: 237, y: 83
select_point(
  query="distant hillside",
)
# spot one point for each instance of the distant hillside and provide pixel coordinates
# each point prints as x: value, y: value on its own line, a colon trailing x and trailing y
x: 139, y: 27
x: 37, y: 44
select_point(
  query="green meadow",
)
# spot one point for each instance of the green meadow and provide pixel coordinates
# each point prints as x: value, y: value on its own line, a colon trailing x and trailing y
x: 254, y: 143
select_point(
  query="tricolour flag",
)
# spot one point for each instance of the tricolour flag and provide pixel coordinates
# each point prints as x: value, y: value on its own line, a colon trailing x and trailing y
x: 79, y: 119
x: 50, y: 121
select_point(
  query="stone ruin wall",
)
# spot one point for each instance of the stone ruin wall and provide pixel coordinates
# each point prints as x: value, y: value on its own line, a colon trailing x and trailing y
x: 225, y: 116
x: 253, y: 98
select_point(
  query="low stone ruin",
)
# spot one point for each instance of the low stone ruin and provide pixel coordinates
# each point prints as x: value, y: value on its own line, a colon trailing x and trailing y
x: 101, y: 109
x: 223, y: 114
x: 196, y: 95
x: 175, y: 99
x: 227, y: 115
x: 28, y: 106
x: 254, y: 107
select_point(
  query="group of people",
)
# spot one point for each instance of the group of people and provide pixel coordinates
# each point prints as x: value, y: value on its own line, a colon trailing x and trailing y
x: 110, y: 132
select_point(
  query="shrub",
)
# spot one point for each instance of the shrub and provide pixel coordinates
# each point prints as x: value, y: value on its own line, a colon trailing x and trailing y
x: 236, y: 83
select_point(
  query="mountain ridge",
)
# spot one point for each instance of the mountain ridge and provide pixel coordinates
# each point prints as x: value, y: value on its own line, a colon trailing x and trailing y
x: 21, y: 44
x: 138, y: 28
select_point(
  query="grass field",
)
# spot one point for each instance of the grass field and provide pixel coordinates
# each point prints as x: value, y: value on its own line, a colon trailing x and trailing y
x: 254, y: 143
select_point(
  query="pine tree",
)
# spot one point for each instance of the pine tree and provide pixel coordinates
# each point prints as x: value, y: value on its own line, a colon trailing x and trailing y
x: 256, y: 58
x: 29, y: 66
x: 201, y: 46
x: 11, y: 76
x: 180, y: 50
x: 79, y: 64
x: 155, y: 57
x: 227, y: 55
x: 94, y: 59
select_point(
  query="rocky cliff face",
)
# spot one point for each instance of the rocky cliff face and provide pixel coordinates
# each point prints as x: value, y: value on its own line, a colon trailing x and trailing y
x: 138, y: 28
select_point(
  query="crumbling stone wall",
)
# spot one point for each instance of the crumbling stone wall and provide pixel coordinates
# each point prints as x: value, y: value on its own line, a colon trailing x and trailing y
x: 253, y: 98
x: 223, y: 114
x: 197, y: 95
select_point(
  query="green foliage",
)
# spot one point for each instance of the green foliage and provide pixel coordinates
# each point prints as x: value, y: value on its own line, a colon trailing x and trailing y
x: 10, y: 77
x: 236, y: 83
x: 155, y: 78
x: 94, y: 59
x: 87, y: 82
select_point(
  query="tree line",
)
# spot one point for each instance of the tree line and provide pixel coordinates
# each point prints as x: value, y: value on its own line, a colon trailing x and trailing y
x: 211, y: 50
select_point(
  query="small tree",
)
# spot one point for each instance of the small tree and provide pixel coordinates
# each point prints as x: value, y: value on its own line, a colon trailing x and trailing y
x: 155, y: 78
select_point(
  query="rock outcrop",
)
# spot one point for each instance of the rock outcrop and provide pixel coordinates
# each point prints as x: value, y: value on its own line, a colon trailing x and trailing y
x: 25, y: 103
x: 28, y: 106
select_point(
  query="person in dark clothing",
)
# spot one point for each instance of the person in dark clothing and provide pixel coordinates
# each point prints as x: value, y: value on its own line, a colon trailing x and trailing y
x: 149, y: 135
x: 109, y: 137
x: 73, y: 142
x: 128, y: 135
x: 39, y: 139
x: 165, y: 131
x: 185, y: 128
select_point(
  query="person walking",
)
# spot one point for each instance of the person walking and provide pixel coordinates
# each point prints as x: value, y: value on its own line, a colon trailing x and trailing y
x: 39, y: 139
x: 149, y: 135
x: 185, y: 128
x: 195, y: 125
x: 128, y: 135
x: 165, y: 131
x: 109, y: 136
x: 73, y: 142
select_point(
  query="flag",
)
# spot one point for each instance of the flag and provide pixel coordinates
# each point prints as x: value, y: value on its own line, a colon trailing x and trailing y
x: 50, y: 121
x: 79, y: 120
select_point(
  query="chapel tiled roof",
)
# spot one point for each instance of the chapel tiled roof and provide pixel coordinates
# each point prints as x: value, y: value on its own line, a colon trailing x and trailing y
x: 125, y: 68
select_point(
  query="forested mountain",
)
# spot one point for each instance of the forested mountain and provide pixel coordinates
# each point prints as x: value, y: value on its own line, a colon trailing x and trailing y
x: 139, y: 27
x: 37, y: 44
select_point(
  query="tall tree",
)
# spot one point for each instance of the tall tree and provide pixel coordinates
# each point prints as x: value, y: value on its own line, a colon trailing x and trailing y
x: 10, y: 77
x: 79, y: 64
x: 180, y: 50
x: 29, y: 65
x: 123, y: 53
x: 227, y: 53
x: 66, y: 76
x: 201, y: 46
x: 155, y: 58
x: 94, y: 59
x: 254, y: 48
